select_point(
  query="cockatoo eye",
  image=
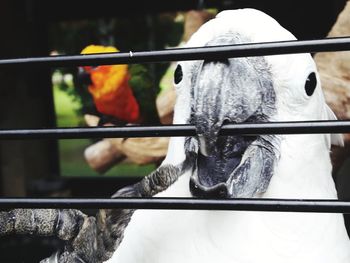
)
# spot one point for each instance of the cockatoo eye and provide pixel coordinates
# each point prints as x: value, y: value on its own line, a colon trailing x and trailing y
x: 310, y: 84
x: 178, y: 74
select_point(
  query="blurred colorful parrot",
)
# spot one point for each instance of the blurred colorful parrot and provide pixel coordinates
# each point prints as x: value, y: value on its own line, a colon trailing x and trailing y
x: 121, y: 92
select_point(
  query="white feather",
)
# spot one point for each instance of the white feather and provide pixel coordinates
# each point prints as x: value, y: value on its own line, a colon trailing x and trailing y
x: 336, y: 138
x: 303, y: 171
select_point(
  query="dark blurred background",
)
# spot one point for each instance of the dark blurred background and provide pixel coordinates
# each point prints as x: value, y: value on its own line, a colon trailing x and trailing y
x: 36, y: 28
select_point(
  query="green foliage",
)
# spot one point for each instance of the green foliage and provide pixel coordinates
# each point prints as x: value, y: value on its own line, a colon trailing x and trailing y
x: 67, y: 109
x: 145, y: 92
x: 65, y: 81
x: 73, y: 163
x: 81, y: 91
x: 139, y: 32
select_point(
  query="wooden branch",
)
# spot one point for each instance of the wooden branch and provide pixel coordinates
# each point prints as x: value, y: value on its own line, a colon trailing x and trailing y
x: 334, y: 69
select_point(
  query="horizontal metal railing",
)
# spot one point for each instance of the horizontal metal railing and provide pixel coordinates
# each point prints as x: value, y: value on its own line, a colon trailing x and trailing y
x: 302, y: 127
x: 197, y: 53
x: 179, y: 54
x: 276, y: 205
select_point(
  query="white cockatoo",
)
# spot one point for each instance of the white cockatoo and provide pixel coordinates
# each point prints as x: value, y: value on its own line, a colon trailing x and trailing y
x: 241, y: 90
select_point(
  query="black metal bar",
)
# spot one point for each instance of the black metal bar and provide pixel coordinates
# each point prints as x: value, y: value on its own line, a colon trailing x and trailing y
x: 311, y: 127
x: 179, y: 54
x: 281, y: 205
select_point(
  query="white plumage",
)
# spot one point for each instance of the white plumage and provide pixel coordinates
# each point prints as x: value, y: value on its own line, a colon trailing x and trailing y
x: 302, y: 170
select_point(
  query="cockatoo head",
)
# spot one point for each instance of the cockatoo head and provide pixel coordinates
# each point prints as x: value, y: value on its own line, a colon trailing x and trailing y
x: 212, y: 93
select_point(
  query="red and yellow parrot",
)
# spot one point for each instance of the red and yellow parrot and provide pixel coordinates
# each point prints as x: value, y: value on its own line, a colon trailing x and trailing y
x: 110, y: 88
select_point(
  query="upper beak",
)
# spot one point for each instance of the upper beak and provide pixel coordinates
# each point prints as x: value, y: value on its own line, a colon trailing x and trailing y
x: 231, y: 91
